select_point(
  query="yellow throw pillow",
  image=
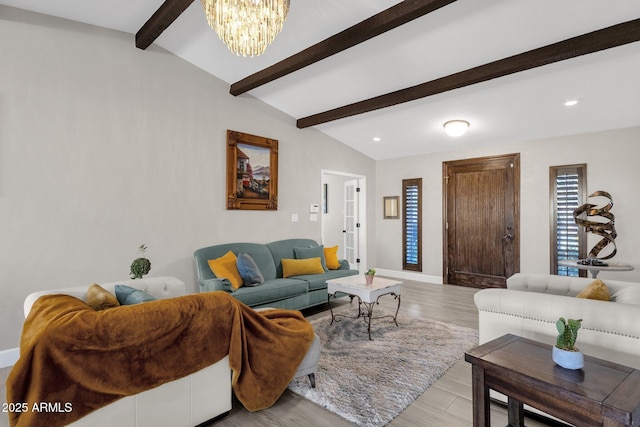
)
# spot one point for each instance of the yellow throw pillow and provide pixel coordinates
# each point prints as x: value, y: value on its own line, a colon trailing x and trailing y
x: 298, y: 267
x: 99, y: 298
x: 331, y: 255
x: 225, y: 267
x: 596, y: 290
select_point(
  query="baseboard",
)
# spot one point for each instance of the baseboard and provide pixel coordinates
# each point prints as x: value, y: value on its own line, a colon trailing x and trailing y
x: 408, y: 275
x: 9, y: 357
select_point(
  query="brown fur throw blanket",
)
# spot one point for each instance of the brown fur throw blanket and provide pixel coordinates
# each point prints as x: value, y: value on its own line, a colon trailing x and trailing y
x: 85, y: 359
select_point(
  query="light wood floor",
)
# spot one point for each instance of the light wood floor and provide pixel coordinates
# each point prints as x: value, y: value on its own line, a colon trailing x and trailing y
x: 447, y: 403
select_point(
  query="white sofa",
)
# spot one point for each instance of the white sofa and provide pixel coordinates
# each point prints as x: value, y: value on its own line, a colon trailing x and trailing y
x: 189, y: 401
x: 532, y: 303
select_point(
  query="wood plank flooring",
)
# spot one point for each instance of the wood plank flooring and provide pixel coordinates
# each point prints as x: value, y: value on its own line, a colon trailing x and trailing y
x: 447, y: 403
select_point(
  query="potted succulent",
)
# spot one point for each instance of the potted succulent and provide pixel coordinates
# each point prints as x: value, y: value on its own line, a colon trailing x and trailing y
x: 140, y: 266
x: 565, y: 353
x: 368, y: 276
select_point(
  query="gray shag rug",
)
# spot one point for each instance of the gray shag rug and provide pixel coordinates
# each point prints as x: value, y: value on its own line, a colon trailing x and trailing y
x: 370, y: 382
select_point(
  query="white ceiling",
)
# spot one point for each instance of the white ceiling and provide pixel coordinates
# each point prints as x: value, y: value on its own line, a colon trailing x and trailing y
x: 520, y: 107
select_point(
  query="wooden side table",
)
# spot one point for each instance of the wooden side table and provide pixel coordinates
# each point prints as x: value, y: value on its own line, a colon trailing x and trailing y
x: 601, y: 394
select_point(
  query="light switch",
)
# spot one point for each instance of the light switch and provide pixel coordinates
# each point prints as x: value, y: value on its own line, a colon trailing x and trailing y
x: 294, y: 217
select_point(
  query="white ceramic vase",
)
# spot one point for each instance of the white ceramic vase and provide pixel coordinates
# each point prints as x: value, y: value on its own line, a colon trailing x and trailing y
x: 568, y: 359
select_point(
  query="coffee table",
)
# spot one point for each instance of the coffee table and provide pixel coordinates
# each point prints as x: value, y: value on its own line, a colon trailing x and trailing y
x: 368, y: 295
x: 601, y: 394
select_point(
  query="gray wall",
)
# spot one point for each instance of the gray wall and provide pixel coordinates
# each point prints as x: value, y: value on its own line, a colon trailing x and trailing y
x: 612, y: 165
x: 104, y: 147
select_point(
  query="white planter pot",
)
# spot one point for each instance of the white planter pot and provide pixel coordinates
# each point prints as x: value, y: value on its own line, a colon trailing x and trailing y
x: 568, y: 359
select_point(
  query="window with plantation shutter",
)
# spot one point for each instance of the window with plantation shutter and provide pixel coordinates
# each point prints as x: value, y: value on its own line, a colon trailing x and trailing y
x: 567, y: 192
x: 411, y: 224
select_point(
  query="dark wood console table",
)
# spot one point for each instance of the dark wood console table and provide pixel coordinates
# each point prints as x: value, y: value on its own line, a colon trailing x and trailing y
x: 601, y: 394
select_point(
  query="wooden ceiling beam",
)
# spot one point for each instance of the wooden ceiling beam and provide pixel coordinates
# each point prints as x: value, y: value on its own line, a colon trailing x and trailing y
x: 610, y: 37
x: 160, y: 21
x: 380, y: 23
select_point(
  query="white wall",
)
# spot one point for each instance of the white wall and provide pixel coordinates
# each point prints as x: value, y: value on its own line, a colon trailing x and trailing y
x: 104, y: 147
x: 612, y: 165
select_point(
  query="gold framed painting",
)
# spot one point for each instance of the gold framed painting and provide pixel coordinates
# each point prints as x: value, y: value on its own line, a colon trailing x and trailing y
x: 252, y: 172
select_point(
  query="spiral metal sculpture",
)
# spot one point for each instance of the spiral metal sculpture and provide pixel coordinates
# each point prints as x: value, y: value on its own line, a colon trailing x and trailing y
x: 606, y: 230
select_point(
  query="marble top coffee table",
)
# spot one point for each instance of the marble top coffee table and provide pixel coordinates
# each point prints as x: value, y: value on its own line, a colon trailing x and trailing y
x: 368, y: 295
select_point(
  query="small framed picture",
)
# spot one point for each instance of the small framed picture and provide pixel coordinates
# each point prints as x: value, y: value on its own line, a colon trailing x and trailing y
x: 391, y: 207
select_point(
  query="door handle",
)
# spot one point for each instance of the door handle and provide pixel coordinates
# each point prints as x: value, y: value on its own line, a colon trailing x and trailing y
x: 508, y: 236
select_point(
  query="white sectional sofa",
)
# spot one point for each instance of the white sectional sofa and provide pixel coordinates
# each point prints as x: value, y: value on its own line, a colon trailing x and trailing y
x: 186, y: 402
x: 532, y: 303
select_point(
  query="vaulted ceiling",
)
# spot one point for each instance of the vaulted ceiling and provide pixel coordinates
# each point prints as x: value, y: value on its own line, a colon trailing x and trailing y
x: 396, y: 71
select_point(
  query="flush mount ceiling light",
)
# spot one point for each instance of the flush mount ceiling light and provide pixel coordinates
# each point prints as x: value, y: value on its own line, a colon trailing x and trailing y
x: 571, y: 102
x: 246, y: 26
x: 456, y: 127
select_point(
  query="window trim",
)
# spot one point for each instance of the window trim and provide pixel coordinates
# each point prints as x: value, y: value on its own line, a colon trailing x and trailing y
x: 406, y: 183
x: 554, y: 172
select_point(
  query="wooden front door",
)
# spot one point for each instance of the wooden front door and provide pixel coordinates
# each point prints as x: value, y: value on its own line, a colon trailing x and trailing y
x: 481, y: 220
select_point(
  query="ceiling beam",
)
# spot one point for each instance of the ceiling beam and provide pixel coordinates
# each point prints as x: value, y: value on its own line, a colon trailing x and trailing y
x: 159, y: 21
x: 616, y: 35
x: 380, y: 23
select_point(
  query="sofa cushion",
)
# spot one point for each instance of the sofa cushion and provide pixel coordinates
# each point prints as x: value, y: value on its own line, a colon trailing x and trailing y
x: 271, y: 290
x: 128, y: 296
x: 297, y: 267
x: 630, y: 295
x: 248, y: 270
x: 596, y: 290
x: 99, y: 298
x: 331, y: 256
x: 319, y: 281
x: 225, y: 267
x: 284, y: 249
x: 260, y: 254
x: 311, y: 252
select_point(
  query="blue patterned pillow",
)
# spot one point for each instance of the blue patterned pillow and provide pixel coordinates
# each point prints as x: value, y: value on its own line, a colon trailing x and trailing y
x: 127, y: 295
x: 249, y: 271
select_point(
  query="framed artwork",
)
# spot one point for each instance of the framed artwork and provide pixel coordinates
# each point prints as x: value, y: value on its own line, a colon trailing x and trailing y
x: 252, y: 172
x: 391, y: 207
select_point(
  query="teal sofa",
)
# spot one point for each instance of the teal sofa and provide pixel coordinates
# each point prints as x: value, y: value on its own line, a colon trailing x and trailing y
x: 294, y: 293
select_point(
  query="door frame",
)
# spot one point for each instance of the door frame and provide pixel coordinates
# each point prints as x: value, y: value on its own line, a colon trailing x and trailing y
x: 362, y: 214
x: 515, y: 157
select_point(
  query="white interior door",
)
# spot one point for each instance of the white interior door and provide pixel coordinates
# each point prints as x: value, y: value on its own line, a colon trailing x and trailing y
x: 351, y: 229
x: 347, y: 207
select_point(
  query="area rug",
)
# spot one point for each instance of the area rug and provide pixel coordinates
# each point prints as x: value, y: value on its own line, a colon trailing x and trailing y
x: 370, y: 382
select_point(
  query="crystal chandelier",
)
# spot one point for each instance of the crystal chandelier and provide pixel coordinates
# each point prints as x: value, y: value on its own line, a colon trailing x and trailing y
x: 246, y: 26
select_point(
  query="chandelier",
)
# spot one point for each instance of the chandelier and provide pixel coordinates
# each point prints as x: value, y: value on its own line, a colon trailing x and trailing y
x: 246, y: 26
